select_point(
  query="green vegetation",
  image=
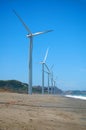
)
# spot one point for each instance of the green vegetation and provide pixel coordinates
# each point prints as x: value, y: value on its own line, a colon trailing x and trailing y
x: 19, y: 87
x: 13, y: 86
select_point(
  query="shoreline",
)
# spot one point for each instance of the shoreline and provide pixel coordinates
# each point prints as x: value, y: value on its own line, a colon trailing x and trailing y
x: 81, y: 97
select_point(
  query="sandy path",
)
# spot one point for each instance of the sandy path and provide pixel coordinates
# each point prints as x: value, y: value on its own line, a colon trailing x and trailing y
x: 38, y: 112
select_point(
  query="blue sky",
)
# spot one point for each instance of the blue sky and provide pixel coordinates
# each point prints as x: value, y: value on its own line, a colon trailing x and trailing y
x: 67, y: 43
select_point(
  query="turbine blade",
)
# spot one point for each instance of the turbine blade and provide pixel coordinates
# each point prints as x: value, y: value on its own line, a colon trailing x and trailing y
x: 38, y: 33
x: 22, y: 21
x: 45, y: 56
x: 51, y: 67
x: 47, y: 68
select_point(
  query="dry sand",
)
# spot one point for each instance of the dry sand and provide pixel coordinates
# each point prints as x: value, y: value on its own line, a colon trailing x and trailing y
x: 38, y: 112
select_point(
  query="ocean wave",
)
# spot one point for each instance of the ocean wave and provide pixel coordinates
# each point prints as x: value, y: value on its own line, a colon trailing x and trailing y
x: 77, y: 97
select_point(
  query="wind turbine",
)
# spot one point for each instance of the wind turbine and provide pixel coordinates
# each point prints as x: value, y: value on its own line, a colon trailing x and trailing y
x: 30, y: 36
x: 48, y: 73
x: 51, y: 79
x: 44, y: 64
x: 54, y: 83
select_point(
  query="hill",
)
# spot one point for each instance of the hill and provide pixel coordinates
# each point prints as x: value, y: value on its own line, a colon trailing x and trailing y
x: 13, y: 86
x: 19, y: 87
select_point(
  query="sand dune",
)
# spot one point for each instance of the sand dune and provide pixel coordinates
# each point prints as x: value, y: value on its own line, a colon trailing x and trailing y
x: 38, y: 112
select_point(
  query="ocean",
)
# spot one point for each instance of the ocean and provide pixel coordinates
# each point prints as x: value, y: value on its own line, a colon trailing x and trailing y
x: 82, y: 97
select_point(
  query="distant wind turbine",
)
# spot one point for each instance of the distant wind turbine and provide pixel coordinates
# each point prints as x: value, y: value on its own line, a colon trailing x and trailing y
x: 51, y: 79
x: 44, y: 64
x: 48, y: 73
x: 30, y: 36
x: 54, y: 82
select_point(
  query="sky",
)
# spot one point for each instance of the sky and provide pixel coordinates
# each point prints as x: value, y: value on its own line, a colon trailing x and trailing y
x: 67, y: 43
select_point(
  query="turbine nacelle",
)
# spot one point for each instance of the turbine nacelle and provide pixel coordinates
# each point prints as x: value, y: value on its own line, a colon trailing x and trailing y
x: 42, y: 62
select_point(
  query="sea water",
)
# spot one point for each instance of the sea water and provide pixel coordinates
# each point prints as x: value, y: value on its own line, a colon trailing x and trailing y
x: 82, y: 97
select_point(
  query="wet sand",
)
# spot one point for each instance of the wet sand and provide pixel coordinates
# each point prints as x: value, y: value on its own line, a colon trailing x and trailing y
x: 41, y: 112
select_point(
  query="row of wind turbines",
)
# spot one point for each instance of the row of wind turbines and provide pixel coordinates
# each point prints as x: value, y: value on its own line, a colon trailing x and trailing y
x: 49, y: 72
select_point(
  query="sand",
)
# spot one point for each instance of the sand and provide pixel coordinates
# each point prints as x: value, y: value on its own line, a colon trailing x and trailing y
x: 41, y: 112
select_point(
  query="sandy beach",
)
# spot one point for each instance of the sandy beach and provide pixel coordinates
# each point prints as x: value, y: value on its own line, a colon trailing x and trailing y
x: 41, y: 112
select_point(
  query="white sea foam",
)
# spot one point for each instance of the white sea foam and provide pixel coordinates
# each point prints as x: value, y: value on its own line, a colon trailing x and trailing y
x: 77, y: 97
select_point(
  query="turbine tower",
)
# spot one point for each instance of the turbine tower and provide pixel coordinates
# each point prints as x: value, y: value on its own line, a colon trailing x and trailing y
x: 44, y: 64
x: 51, y: 79
x: 30, y: 36
x: 48, y: 73
x: 54, y: 81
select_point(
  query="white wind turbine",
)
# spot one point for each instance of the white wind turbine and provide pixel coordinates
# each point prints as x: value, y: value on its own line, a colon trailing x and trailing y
x: 54, y: 81
x: 30, y: 36
x: 48, y: 73
x: 44, y: 64
x: 54, y: 85
x: 51, y: 79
